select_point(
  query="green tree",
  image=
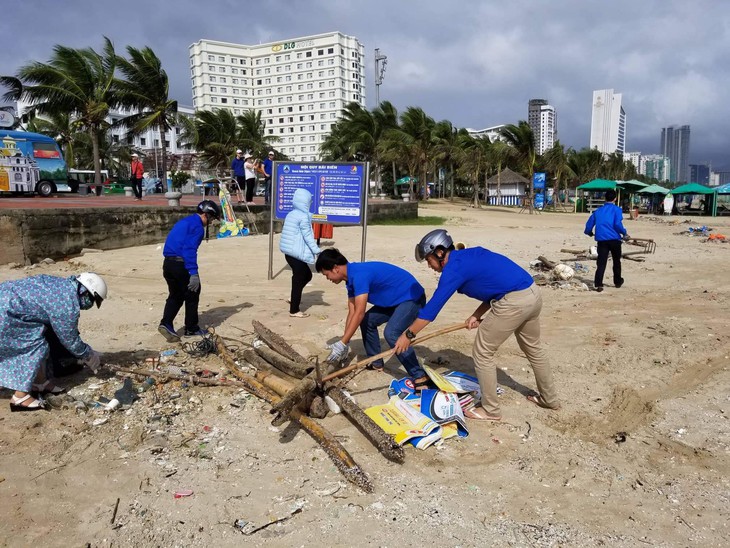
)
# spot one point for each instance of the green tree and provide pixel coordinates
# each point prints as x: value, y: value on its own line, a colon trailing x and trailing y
x: 77, y: 82
x: 63, y: 128
x: 499, y: 153
x: 251, y: 134
x: 556, y: 163
x: 522, y: 138
x: 145, y: 90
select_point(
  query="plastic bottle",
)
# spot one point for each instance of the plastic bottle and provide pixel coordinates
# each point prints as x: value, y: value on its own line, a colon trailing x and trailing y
x: 148, y: 383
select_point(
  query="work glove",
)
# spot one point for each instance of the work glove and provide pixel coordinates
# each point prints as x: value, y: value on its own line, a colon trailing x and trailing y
x: 338, y: 352
x: 194, y: 283
x: 625, y: 237
x: 590, y: 234
x: 92, y: 360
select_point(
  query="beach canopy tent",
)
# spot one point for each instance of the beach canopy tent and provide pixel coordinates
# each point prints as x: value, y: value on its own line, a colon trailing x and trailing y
x: 407, y: 180
x: 653, y: 189
x: 723, y: 199
x: 724, y: 189
x: 632, y: 186
x: 694, y: 188
x: 598, y: 185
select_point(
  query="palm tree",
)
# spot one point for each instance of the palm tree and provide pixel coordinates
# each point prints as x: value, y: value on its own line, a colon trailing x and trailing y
x: 499, y: 153
x: 522, y: 138
x: 474, y: 163
x: 216, y: 136
x: 251, y: 134
x: 146, y: 90
x: 556, y: 163
x: 446, y: 150
x: 78, y: 82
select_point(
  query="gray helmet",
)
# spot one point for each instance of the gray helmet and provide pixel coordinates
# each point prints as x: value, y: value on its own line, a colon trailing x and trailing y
x: 431, y: 242
x: 210, y: 208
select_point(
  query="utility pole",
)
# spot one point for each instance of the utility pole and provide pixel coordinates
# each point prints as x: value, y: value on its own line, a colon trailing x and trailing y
x: 380, y: 62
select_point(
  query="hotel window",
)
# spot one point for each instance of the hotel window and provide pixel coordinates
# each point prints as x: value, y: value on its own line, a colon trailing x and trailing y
x: 330, y: 50
x: 330, y: 61
x: 221, y: 59
x: 309, y: 54
x: 221, y: 69
x: 287, y: 57
x: 212, y: 79
x: 236, y: 102
x: 211, y: 68
x: 320, y: 63
x: 299, y: 55
x: 234, y: 71
x: 213, y: 89
x: 235, y: 91
x: 278, y: 58
x: 267, y: 70
x: 211, y: 57
x: 224, y: 100
x: 214, y: 99
x: 236, y: 111
x: 258, y: 61
x: 269, y: 111
x: 320, y: 52
x: 224, y: 90
x: 234, y: 80
x: 223, y: 80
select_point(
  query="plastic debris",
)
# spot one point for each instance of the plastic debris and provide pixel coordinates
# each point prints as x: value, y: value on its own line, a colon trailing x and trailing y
x: 183, y: 493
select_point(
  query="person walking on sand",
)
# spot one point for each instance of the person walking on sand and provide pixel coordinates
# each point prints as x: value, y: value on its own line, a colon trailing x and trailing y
x: 136, y: 176
x: 29, y: 308
x: 396, y: 297
x: 607, y: 221
x: 299, y: 248
x: 510, y: 304
x: 180, y: 269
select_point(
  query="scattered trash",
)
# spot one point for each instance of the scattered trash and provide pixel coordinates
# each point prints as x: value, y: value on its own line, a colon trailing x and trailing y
x: 332, y: 406
x: 148, y: 383
x: 166, y: 355
x: 99, y: 422
x: 496, y: 440
x: 248, y: 528
x: 620, y: 437
x: 183, y: 493
x: 562, y: 272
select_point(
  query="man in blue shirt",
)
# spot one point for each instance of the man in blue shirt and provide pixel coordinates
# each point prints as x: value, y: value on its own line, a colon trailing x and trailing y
x: 268, y: 164
x: 510, y: 303
x: 239, y: 173
x: 607, y: 221
x: 396, y: 297
x: 180, y: 269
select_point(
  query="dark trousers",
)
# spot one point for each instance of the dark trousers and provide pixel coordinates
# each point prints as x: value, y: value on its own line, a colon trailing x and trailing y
x: 396, y: 319
x: 301, y: 276
x: 137, y: 188
x: 250, y: 186
x: 267, y: 190
x: 177, y: 278
x: 604, y: 248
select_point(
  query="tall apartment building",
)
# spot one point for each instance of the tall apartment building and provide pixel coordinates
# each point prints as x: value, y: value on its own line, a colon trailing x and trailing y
x: 299, y: 85
x: 493, y: 133
x: 675, y: 145
x: 699, y: 173
x: 634, y: 158
x: 656, y: 166
x: 608, y: 122
x: 543, y: 121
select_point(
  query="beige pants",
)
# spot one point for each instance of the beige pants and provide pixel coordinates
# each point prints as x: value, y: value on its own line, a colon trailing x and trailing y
x: 519, y: 313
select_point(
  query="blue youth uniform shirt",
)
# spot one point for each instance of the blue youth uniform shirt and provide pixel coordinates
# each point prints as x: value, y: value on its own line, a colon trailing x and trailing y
x: 477, y: 273
x: 385, y: 284
x: 184, y: 240
x: 607, y: 220
x: 237, y: 167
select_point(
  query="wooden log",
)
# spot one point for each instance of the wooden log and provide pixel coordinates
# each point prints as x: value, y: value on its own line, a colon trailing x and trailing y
x: 384, y: 442
x: 284, y: 364
x: 547, y: 262
x: 575, y: 251
x: 292, y: 399
x: 277, y: 343
x: 261, y: 364
x: 339, y: 455
x: 318, y: 408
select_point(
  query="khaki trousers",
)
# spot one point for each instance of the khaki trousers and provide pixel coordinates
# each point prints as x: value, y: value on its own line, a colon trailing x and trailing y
x: 519, y: 313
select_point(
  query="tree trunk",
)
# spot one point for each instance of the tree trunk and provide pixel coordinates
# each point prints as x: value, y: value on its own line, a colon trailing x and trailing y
x: 395, y: 188
x: 163, y: 177
x: 97, y: 159
x: 451, y: 168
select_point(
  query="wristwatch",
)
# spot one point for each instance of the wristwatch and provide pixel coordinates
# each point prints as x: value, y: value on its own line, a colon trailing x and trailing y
x: 410, y: 335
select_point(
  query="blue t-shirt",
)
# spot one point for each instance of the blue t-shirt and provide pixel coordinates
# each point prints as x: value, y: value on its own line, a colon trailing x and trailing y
x: 237, y: 167
x: 608, y: 222
x: 268, y: 167
x: 478, y: 273
x: 385, y: 284
x: 184, y: 240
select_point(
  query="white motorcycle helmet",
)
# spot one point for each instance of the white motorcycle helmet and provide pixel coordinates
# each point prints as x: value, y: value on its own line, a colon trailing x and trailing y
x: 95, y: 285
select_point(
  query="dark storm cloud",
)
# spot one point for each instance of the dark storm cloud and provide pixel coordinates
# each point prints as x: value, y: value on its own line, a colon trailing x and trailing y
x: 474, y: 63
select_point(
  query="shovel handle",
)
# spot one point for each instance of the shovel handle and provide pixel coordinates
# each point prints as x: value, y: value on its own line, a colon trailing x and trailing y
x: 389, y: 353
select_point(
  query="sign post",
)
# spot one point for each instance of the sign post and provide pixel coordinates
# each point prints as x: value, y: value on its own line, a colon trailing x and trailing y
x: 339, y: 195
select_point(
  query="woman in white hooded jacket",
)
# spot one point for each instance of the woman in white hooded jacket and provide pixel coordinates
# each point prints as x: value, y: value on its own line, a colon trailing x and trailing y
x: 299, y: 247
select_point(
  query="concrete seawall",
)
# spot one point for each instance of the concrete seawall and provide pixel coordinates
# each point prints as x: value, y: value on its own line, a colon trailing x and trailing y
x: 28, y: 236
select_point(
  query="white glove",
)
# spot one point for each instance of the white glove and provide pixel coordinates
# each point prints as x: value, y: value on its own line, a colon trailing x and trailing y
x: 92, y: 361
x: 338, y: 352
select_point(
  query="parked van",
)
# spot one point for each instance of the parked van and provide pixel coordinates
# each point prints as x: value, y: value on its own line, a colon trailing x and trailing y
x: 31, y: 163
x: 82, y: 181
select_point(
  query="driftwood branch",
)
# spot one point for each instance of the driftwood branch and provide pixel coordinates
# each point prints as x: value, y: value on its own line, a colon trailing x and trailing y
x: 339, y: 455
x: 277, y: 343
x: 286, y: 365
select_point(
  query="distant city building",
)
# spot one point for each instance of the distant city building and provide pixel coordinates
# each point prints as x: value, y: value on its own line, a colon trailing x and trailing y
x: 675, y: 145
x: 608, y: 122
x: 722, y: 177
x: 656, y: 166
x: 494, y: 133
x: 635, y: 159
x: 299, y: 85
x: 543, y: 121
x: 699, y: 173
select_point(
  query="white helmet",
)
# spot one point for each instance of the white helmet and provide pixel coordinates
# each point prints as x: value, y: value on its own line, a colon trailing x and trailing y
x: 95, y: 285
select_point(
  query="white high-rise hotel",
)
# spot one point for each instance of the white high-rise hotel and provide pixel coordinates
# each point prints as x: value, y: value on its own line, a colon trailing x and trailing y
x: 608, y: 122
x: 300, y: 85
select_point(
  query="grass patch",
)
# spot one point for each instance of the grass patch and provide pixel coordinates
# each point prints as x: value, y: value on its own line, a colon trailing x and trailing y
x: 419, y: 221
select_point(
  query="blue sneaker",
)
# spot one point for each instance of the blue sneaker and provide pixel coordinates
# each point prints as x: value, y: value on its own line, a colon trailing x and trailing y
x: 195, y: 332
x: 168, y: 332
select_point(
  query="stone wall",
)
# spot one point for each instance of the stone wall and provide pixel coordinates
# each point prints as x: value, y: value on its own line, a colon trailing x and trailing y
x: 28, y: 236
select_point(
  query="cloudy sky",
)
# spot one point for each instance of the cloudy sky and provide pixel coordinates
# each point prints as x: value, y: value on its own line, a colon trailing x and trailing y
x: 475, y: 63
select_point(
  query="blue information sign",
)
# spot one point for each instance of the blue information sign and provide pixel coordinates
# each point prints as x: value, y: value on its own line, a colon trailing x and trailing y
x: 538, y: 181
x: 338, y: 190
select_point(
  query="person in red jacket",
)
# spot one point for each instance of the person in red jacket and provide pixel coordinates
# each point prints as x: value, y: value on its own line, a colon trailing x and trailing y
x: 136, y: 176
